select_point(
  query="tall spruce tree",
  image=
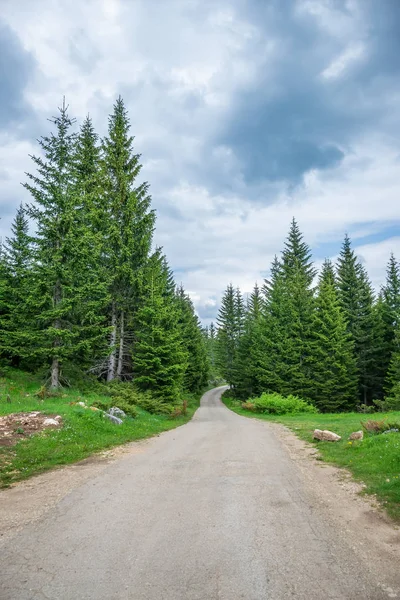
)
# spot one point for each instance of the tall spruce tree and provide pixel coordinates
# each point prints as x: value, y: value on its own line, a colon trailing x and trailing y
x: 196, y: 373
x: 130, y: 224
x: 17, y: 265
x: 53, y: 293
x: 333, y: 382
x: 230, y: 322
x: 356, y: 299
x: 250, y: 349
x: 91, y: 274
x: 210, y: 337
x: 159, y: 356
x: 388, y: 312
x: 294, y: 315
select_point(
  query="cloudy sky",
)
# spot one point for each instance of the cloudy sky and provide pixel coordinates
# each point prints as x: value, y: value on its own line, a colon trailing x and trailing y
x: 246, y: 113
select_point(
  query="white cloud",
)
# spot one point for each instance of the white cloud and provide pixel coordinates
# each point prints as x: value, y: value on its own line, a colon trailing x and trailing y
x: 179, y: 67
x: 352, y: 54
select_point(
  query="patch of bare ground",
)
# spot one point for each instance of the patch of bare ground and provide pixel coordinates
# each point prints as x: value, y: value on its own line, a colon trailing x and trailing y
x: 17, y: 426
x: 375, y: 537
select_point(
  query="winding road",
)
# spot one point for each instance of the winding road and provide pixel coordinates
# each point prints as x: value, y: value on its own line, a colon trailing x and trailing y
x: 216, y: 509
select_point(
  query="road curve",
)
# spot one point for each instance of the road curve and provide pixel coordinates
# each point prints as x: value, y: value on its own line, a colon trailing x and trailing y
x: 215, y: 509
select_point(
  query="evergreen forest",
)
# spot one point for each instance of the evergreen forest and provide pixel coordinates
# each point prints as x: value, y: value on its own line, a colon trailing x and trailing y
x: 83, y: 289
x: 328, y: 338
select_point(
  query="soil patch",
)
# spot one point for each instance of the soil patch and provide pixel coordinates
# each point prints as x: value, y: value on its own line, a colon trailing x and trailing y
x: 18, y: 426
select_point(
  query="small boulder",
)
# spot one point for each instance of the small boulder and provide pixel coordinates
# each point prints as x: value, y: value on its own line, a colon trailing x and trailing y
x: 82, y: 404
x: 326, y: 435
x: 356, y: 435
x: 113, y: 419
x: 116, y: 412
x: 50, y: 423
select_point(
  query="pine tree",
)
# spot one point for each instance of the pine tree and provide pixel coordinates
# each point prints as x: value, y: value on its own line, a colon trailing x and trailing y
x: 356, y: 300
x: 53, y: 294
x: 196, y: 373
x: 91, y: 274
x: 210, y: 337
x: 130, y: 225
x: 392, y: 382
x: 333, y: 384
x: 293, y: 315
x: 250, y: 348
x: 388, y: 315
x: 16, y: 270
x: 230, y: 322
x: 159, y: 356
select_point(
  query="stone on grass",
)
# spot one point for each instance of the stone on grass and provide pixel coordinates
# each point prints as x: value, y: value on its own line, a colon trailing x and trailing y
x: 356, y: 435
x: 326, y: 435
x: 50, y: 423
x: 116, y: 412
x: 393, y: 430
x: 81, y: 404
x: 113, y: 419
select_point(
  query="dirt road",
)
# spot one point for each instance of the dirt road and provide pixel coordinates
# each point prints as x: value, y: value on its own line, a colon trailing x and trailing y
x: 216, y: 509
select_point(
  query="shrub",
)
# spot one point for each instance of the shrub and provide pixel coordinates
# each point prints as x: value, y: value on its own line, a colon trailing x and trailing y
x: 388, y: 404
x: 376, y: 427
x: 129, y: 409
x: 275, y: 404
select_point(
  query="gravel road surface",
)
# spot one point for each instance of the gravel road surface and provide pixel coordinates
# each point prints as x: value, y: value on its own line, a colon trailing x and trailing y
x: 216, y: 509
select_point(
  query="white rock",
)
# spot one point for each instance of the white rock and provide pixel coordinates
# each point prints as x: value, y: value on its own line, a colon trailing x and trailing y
x: 50, y: 423
x: 113, y: 419
x: 356, y: 435
x: 116, y: 412
x: 326, y: 435
x: 82, y: 404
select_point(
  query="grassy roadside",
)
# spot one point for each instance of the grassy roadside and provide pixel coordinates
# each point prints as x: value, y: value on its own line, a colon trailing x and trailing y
x: 83, y: 433
x: 375, y: 461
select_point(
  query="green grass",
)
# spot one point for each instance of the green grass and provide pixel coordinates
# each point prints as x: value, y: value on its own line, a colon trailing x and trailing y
x: 375, y: 460
x: 84, y: 432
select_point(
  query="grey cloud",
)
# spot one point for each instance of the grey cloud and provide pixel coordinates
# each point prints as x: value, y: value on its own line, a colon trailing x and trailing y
x: 16, y: 67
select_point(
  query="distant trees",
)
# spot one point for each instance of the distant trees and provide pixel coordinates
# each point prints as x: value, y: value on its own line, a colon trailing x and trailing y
x: 333, y: 343
x: 85, y: 290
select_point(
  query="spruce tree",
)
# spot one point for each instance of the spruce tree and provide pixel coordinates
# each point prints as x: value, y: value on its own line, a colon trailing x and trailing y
x: 91, y: 274
x: 356, y: 300
x: 333, y: 382
x: 293, y: 315
x: 230, y: 325
x: 16, y: 270
x: 159, y: 356
x: 130, y: 224
x: 250, y: 348
x: 210, y: 337
x: 392, y: 381
x: 388, y: 311
x: 196, y: 373
x: 53, y: 293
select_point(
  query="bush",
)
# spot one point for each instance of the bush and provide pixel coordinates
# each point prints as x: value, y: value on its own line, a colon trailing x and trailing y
x: 129, y: 409
x: 387, y: 404
x: 275, y: 404
x: 376, y: 427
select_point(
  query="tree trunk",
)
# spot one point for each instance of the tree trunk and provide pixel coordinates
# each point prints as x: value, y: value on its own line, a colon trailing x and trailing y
x: 121, y: 346
x: 55, y: 365
x: 55, y: 374
x: 113, y: 356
